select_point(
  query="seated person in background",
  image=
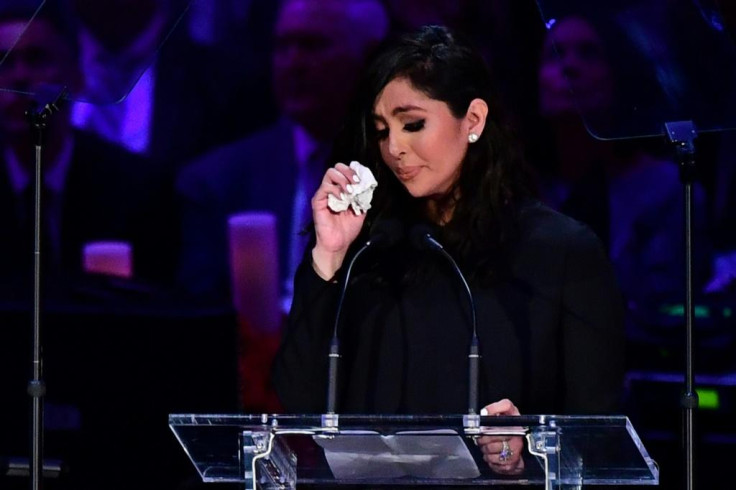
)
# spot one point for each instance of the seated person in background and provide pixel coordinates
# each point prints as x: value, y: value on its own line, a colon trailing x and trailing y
x: 723, y: 280
x: 321, y: 46
x: 92, y: 190
x: 178, y: 100
x: 627, y: 191
x: 549, y: 313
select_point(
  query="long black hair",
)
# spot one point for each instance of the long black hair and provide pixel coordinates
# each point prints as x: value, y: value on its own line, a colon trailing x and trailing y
x: 445, y: 67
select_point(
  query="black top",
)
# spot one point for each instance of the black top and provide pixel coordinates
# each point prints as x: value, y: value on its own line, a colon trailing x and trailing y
x: 550, y: 331
x: 109, y: 194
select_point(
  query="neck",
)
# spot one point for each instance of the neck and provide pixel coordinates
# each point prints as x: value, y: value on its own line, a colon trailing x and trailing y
x: 441, y: 209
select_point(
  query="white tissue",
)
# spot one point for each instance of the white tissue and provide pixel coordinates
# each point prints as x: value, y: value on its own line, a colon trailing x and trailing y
x: 362, y: 192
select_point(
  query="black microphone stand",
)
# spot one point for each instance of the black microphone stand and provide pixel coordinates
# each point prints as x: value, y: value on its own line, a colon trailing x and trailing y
x: 384, y: 235
x: 38, y: 119
x: 681, y: 135
x: 334, y: 356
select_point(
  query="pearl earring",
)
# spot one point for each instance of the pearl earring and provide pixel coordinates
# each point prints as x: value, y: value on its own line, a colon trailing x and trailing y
x: 472, y: 137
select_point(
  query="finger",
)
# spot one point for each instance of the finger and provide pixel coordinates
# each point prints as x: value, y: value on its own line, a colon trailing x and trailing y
x: 513, y: 465
x: 351, y: 174
x: 516, y: 444
x: 501, y: 407
x: 491, y: 447
x: 512, y: 447
x: 513, y: 469
x: 495, y: 461
x: 491, y: 439
x: 326, y: 188
x: 335, y: 176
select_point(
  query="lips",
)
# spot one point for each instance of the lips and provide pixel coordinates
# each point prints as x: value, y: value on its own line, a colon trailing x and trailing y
x: 407, y: 173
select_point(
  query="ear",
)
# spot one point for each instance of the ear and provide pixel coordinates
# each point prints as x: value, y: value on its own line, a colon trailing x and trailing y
x: 475, y: 117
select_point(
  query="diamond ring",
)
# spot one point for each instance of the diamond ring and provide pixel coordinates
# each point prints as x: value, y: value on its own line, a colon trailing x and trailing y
x: 506, y: 451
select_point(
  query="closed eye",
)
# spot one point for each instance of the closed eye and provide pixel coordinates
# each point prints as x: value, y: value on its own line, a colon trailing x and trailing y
x: 382, y: 134
x: 413, y: 127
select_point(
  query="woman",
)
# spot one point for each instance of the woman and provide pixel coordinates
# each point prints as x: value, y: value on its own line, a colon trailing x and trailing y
x: 627, y: 190
x: 549, y: 313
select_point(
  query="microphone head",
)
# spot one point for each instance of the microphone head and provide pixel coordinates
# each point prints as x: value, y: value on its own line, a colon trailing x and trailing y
x: 422, y: 238
x: 386, y: 233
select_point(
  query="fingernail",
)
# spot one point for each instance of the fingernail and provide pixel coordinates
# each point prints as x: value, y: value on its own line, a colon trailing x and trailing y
x: 356, y: 178
x: 349, y: 188
x: 342, y: 196
x: 483, y: 411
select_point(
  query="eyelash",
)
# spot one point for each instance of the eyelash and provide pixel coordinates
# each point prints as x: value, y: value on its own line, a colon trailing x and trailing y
x: 411, y: 127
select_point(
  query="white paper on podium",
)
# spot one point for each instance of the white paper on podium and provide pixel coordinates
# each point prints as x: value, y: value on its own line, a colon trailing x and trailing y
x: 440, y: 454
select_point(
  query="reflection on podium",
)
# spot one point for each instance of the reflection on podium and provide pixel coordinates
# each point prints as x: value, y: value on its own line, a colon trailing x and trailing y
x: 367, y: 451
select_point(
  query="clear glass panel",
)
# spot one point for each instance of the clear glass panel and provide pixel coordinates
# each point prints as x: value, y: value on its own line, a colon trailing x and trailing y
x: 633, y: 65
x: 408, y: 450
x: 43, y: 45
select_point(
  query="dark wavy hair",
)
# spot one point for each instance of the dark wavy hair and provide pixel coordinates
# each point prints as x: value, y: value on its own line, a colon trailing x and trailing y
x: 445, y: 67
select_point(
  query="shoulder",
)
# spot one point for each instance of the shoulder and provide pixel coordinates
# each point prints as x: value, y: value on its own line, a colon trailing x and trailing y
x: 235, y: 160
x: 551, y: 246
x: 543, y: 227
x: 562, y: 256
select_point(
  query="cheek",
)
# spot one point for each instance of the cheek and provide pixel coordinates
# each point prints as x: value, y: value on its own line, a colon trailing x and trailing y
x: 383, y: 150
x: 549, y: 76
x: 596, y: 72
x: 427, y: 145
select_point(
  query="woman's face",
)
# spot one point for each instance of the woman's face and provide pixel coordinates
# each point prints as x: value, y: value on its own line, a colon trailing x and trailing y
x: 577, y: 72
x: 420, y: 140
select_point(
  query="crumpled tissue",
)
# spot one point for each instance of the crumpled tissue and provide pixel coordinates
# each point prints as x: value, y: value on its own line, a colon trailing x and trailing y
x: 362, y: 192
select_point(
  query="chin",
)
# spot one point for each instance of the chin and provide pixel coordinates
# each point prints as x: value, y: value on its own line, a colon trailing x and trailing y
x: 413, y: 190
x: 421, y: 193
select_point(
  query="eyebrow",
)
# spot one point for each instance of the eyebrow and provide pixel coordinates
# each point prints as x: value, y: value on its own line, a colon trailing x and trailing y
x: 400, y: 110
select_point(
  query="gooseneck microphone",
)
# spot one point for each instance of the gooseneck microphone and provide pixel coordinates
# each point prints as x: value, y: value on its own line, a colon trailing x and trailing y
x: 385, y: 234
x: 423, y: 239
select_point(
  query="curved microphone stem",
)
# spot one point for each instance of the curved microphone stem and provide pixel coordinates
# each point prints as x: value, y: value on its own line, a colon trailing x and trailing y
x: 334, y: 355
x: 474, y: 354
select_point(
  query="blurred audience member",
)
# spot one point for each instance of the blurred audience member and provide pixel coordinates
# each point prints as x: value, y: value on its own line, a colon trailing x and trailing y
x: 723, y: 279
x: 321, y: 46
x: 627, y: 190
x: 169, y: 104
x: 409, y: 15
x: 92, y: 190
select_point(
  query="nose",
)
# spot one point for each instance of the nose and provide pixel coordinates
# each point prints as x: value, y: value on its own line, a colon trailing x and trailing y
x: 570, y: 64
x: 395, y: 146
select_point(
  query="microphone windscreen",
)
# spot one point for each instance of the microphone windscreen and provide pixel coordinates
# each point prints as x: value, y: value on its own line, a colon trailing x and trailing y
x: 418, y: 236
x: 386, y: 233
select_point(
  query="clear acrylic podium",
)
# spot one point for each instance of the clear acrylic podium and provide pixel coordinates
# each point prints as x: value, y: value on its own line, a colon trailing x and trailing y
x: 283, y: 451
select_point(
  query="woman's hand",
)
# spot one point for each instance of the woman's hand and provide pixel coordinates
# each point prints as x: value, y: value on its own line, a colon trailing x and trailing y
x: 502, y: 453
x: 335, y: 231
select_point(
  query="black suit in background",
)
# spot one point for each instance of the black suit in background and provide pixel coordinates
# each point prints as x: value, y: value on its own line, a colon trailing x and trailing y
x: 257, y: 173
x: 551, y: 331
x: 109, y: 194
x: 201, y: 98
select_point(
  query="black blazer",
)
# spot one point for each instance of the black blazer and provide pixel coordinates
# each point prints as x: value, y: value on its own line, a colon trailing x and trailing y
x: 551, y: 332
